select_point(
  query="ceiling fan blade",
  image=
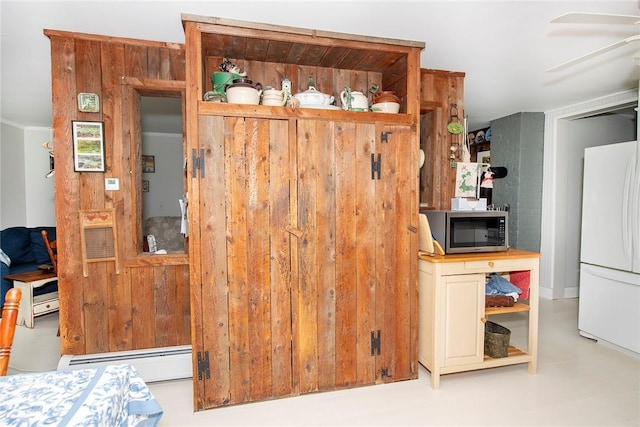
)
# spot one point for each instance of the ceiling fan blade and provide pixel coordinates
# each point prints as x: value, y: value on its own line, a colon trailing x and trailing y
x: 596, y: 18
x: 594, y: 53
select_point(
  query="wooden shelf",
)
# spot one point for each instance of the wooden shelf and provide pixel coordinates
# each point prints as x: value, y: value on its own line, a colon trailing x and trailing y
x: 270, y: 112
x: 512, y: 351
x: 517, y: 307
x: 515, y: 355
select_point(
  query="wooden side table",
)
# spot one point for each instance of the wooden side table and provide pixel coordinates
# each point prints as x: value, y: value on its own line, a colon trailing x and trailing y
x: 30, y: 305
x: 452, y: 312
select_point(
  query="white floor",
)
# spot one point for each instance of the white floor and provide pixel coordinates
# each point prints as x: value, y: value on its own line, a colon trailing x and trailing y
x: 579, y: 383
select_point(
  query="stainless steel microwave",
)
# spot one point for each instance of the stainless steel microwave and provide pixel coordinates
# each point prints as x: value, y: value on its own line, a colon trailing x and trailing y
x: 470, y: 231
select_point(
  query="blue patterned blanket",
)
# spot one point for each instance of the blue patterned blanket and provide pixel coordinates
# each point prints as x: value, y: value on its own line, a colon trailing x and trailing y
x: 105, y: 396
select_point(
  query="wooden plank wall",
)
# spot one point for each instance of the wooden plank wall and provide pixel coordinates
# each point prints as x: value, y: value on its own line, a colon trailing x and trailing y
x: 438, y: 90
x: 146, y: 303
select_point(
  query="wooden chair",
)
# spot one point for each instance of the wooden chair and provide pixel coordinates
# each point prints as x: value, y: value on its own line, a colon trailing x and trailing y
x: 8, y: 327
x: 52, y: 248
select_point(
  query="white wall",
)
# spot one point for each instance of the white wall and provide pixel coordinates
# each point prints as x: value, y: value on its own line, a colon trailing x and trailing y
x: 559, y: 151
x: 166, y: 183
x: 26, y: 195
x: 12, y: 192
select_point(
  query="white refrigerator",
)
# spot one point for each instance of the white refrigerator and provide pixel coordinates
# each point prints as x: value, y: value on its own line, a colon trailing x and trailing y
x: 609, y: 305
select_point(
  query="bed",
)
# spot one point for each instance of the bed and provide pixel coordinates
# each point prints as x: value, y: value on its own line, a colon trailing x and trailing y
x: 105, y: 396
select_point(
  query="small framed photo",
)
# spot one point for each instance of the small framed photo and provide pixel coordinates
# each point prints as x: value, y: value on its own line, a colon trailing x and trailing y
x: 484, y: 157
x: 88, y: 102
x: 88, y: 146
x: 148, y: 164
x: 145, y: 186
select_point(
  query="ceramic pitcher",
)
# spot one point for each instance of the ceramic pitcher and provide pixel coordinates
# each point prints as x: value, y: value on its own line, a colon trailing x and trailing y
x: 274, y: 97
x: 354, y: 101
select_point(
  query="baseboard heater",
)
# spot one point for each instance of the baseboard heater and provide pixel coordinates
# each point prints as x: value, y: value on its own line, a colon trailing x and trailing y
x: 153, y: 364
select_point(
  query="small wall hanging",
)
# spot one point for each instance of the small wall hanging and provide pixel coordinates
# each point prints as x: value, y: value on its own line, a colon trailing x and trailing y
x: 88, y: 146
x: 88, y: 102
x: 148, y: 164
x: 98, y: 238
x: 47, y: 146
x: 483, y: 157
x: 456, y: 129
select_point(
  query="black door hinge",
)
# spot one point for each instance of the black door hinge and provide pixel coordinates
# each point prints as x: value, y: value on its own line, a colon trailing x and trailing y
x: 375, y: 343
x: 375, y: 165
x: 203, y: 365
x: 197, y: 163
x: 384, y: 136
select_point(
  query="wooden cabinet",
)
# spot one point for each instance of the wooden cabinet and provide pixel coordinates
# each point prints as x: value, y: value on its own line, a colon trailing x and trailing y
x: 303, y: 223
x: 452, y: 311
x: 440, y: 91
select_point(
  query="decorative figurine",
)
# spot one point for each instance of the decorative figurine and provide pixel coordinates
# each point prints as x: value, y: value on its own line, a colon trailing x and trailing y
x: 229, y: 67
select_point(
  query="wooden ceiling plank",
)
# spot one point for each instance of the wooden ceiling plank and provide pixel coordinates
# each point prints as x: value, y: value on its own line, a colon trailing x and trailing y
x: 278, y: 51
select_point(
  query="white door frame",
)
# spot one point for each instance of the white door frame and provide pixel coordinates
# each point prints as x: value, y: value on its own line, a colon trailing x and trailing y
x: 555, y: 132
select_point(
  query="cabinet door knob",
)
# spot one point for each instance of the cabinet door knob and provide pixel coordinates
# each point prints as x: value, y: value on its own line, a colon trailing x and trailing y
x: 491, y: 264
x: 483, y: 319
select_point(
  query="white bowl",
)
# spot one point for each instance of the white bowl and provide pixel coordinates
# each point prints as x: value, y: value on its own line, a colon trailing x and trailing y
x: 386, y: 107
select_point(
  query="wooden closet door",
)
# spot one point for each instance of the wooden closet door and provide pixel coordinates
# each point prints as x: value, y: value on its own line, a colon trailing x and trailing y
x: 336, y: 257
x: 243, y: 294
x: 356, y: 296
x: 396, y: 201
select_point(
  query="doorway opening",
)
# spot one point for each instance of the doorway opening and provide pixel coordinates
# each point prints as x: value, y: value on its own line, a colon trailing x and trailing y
x: 560, y: 201
x: 162, y: 179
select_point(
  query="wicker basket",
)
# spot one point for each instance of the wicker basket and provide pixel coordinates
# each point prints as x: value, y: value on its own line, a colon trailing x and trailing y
x: 498, y: 301
x: 496, y: 340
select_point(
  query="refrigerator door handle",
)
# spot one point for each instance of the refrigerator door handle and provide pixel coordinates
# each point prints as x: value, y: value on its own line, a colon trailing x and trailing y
x: 635, y: 213
x: 627, y: 208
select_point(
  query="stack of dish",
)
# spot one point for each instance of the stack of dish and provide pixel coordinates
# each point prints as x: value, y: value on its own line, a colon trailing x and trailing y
x: 386, y: 101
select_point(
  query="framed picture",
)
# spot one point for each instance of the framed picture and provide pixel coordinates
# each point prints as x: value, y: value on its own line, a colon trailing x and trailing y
x: 88, y: 146
x: 148, y: 164
x: 467, y: 175
x: 88, y: 102
x: 145, y: 186
x: 484, y: 157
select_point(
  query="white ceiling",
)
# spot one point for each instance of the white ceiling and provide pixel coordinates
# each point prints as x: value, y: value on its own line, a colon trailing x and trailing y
x: 504, y: 47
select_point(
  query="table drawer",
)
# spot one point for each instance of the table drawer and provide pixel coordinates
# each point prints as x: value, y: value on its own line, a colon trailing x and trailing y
x: 47, y: 304
x: 498, y: 265
x: 489, y: 266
